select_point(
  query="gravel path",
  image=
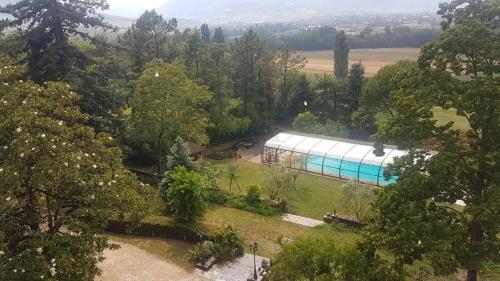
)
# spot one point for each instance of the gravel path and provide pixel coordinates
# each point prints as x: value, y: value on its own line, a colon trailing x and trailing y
x: 302, y: 220
x: 130, y: 263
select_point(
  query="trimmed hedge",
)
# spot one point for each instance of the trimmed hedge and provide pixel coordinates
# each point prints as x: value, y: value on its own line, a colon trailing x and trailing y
x: 170, y: 231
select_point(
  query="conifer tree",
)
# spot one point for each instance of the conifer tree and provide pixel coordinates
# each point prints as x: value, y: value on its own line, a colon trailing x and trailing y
x: 180, y: 155
x: 341, y: 55
x: 48, y: 26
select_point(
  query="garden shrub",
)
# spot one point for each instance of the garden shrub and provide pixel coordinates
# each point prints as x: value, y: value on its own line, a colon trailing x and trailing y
x: 264, y: 208
x: 187, y: 196
x: 218, y: 197
x: 228, y: 243
x: 253, y: 195
x: 203, y: 251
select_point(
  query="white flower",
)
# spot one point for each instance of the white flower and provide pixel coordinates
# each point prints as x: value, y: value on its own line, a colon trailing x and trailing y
x: 110, y: 138
x: 92, y: 196
x: 53, y: 260
x: 8, y: 199
x: 1, y: 170
x: 79, y: 158
x: 94, y: 166
x: 93, y: 154
x: 53, y: 271
x: 24, y: 101
x: 5, y: 147
x: 113, y: 181
x: 21, y: 155
x: 23, y: 270
x: 39, y: 250
x: 77, y: 166
x: 36, y: 113
x: 43, y: 135
x: 101, y: 183
x: 33, y: 149
x: 87, y: 155
x: 41, y: 276
x: 15, y: 173
x: 66, y: 164
x: 2, y: 253
x: 60, y: 123
x: 15, y: 270
x: 63, y: 143
x: 19, y: 130
x: 54, y: 146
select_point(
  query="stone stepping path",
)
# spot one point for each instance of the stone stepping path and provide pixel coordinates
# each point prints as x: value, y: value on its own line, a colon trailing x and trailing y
x: 302, y: 220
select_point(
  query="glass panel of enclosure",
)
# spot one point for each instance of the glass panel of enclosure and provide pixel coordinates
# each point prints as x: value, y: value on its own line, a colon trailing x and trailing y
x: 350, y: 168
x: 330, y: 157
x: 317, y: 154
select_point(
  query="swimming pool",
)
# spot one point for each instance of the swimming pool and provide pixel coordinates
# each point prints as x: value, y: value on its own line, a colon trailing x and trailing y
x: 348, y: 170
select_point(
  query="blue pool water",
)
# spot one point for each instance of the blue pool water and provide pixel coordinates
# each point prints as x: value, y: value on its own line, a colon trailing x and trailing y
x: 346, y: 169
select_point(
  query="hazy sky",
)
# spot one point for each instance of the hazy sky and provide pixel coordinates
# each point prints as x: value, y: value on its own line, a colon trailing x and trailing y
x: 148, y: 4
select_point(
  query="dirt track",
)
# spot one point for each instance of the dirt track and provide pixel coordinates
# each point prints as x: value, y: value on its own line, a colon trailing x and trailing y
x: 130, y: 263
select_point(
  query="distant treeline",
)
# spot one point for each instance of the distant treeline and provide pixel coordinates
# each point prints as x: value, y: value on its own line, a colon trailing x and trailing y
x: 323, y: 38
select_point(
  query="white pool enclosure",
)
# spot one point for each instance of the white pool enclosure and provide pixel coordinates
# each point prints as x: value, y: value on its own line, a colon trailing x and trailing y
x: 332, y: 157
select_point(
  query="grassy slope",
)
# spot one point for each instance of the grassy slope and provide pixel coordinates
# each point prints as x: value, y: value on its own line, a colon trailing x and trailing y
x: 313, y: 197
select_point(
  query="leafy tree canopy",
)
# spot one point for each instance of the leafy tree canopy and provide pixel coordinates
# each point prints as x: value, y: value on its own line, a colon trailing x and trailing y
x: 166, y: 104
x: 187, y: 196
x: 415, y: 218
x: 60, y: 183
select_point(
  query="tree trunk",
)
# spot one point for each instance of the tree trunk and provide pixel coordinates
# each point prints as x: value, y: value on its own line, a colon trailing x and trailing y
x: 472, y: 275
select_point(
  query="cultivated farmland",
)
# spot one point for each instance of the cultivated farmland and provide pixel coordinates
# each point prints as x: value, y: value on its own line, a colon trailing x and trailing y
x: 372, y: 59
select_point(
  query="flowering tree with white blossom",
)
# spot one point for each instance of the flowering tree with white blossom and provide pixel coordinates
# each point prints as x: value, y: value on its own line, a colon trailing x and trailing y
x: 60, y: 183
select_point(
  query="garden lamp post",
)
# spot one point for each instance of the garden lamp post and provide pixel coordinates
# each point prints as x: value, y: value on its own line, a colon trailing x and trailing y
x: 305, y: 105
x: 254, y: 248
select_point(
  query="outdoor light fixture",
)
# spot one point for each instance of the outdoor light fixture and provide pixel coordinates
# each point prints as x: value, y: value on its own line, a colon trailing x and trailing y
x: 157, y: 74
x: 254, y: 248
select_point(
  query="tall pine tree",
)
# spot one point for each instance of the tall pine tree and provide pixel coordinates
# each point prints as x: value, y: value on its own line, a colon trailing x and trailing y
x: 48, y: 26
x: 341, y: 56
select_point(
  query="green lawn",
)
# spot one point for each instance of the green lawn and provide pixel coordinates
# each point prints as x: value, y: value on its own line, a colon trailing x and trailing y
x: 263, y: 230
x: 445, y: 116
x: 313, y: 197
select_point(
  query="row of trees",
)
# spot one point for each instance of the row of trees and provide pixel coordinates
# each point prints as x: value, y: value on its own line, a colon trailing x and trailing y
x: 323, y: 38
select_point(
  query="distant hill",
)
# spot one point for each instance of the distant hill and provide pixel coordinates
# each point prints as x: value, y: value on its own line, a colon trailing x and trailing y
x: 286, y: 10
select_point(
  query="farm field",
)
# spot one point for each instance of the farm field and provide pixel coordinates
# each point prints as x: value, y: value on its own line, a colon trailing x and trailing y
x: 373, y: 59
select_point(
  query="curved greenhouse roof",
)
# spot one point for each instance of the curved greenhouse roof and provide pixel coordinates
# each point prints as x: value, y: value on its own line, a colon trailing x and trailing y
x: 332, y: 157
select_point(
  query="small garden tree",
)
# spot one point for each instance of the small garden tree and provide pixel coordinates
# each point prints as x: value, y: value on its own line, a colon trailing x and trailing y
x: 278, y: 178
x: 357, y: 198
x: 296, y: 164
x: 180, y: 155
x: 187, y: 196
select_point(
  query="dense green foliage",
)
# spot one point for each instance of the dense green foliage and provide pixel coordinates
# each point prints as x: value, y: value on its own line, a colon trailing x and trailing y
x: 58, y: 178
x: 323, y: 38
x: 228, y: 243
x: 414, y: 218
x: 309, y: 123
x: 187, y: 195
x: 341, y: 56
x: 50, y: 24
x: 320, y: 259
x: 166, y: 104
x: 180, y: 155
